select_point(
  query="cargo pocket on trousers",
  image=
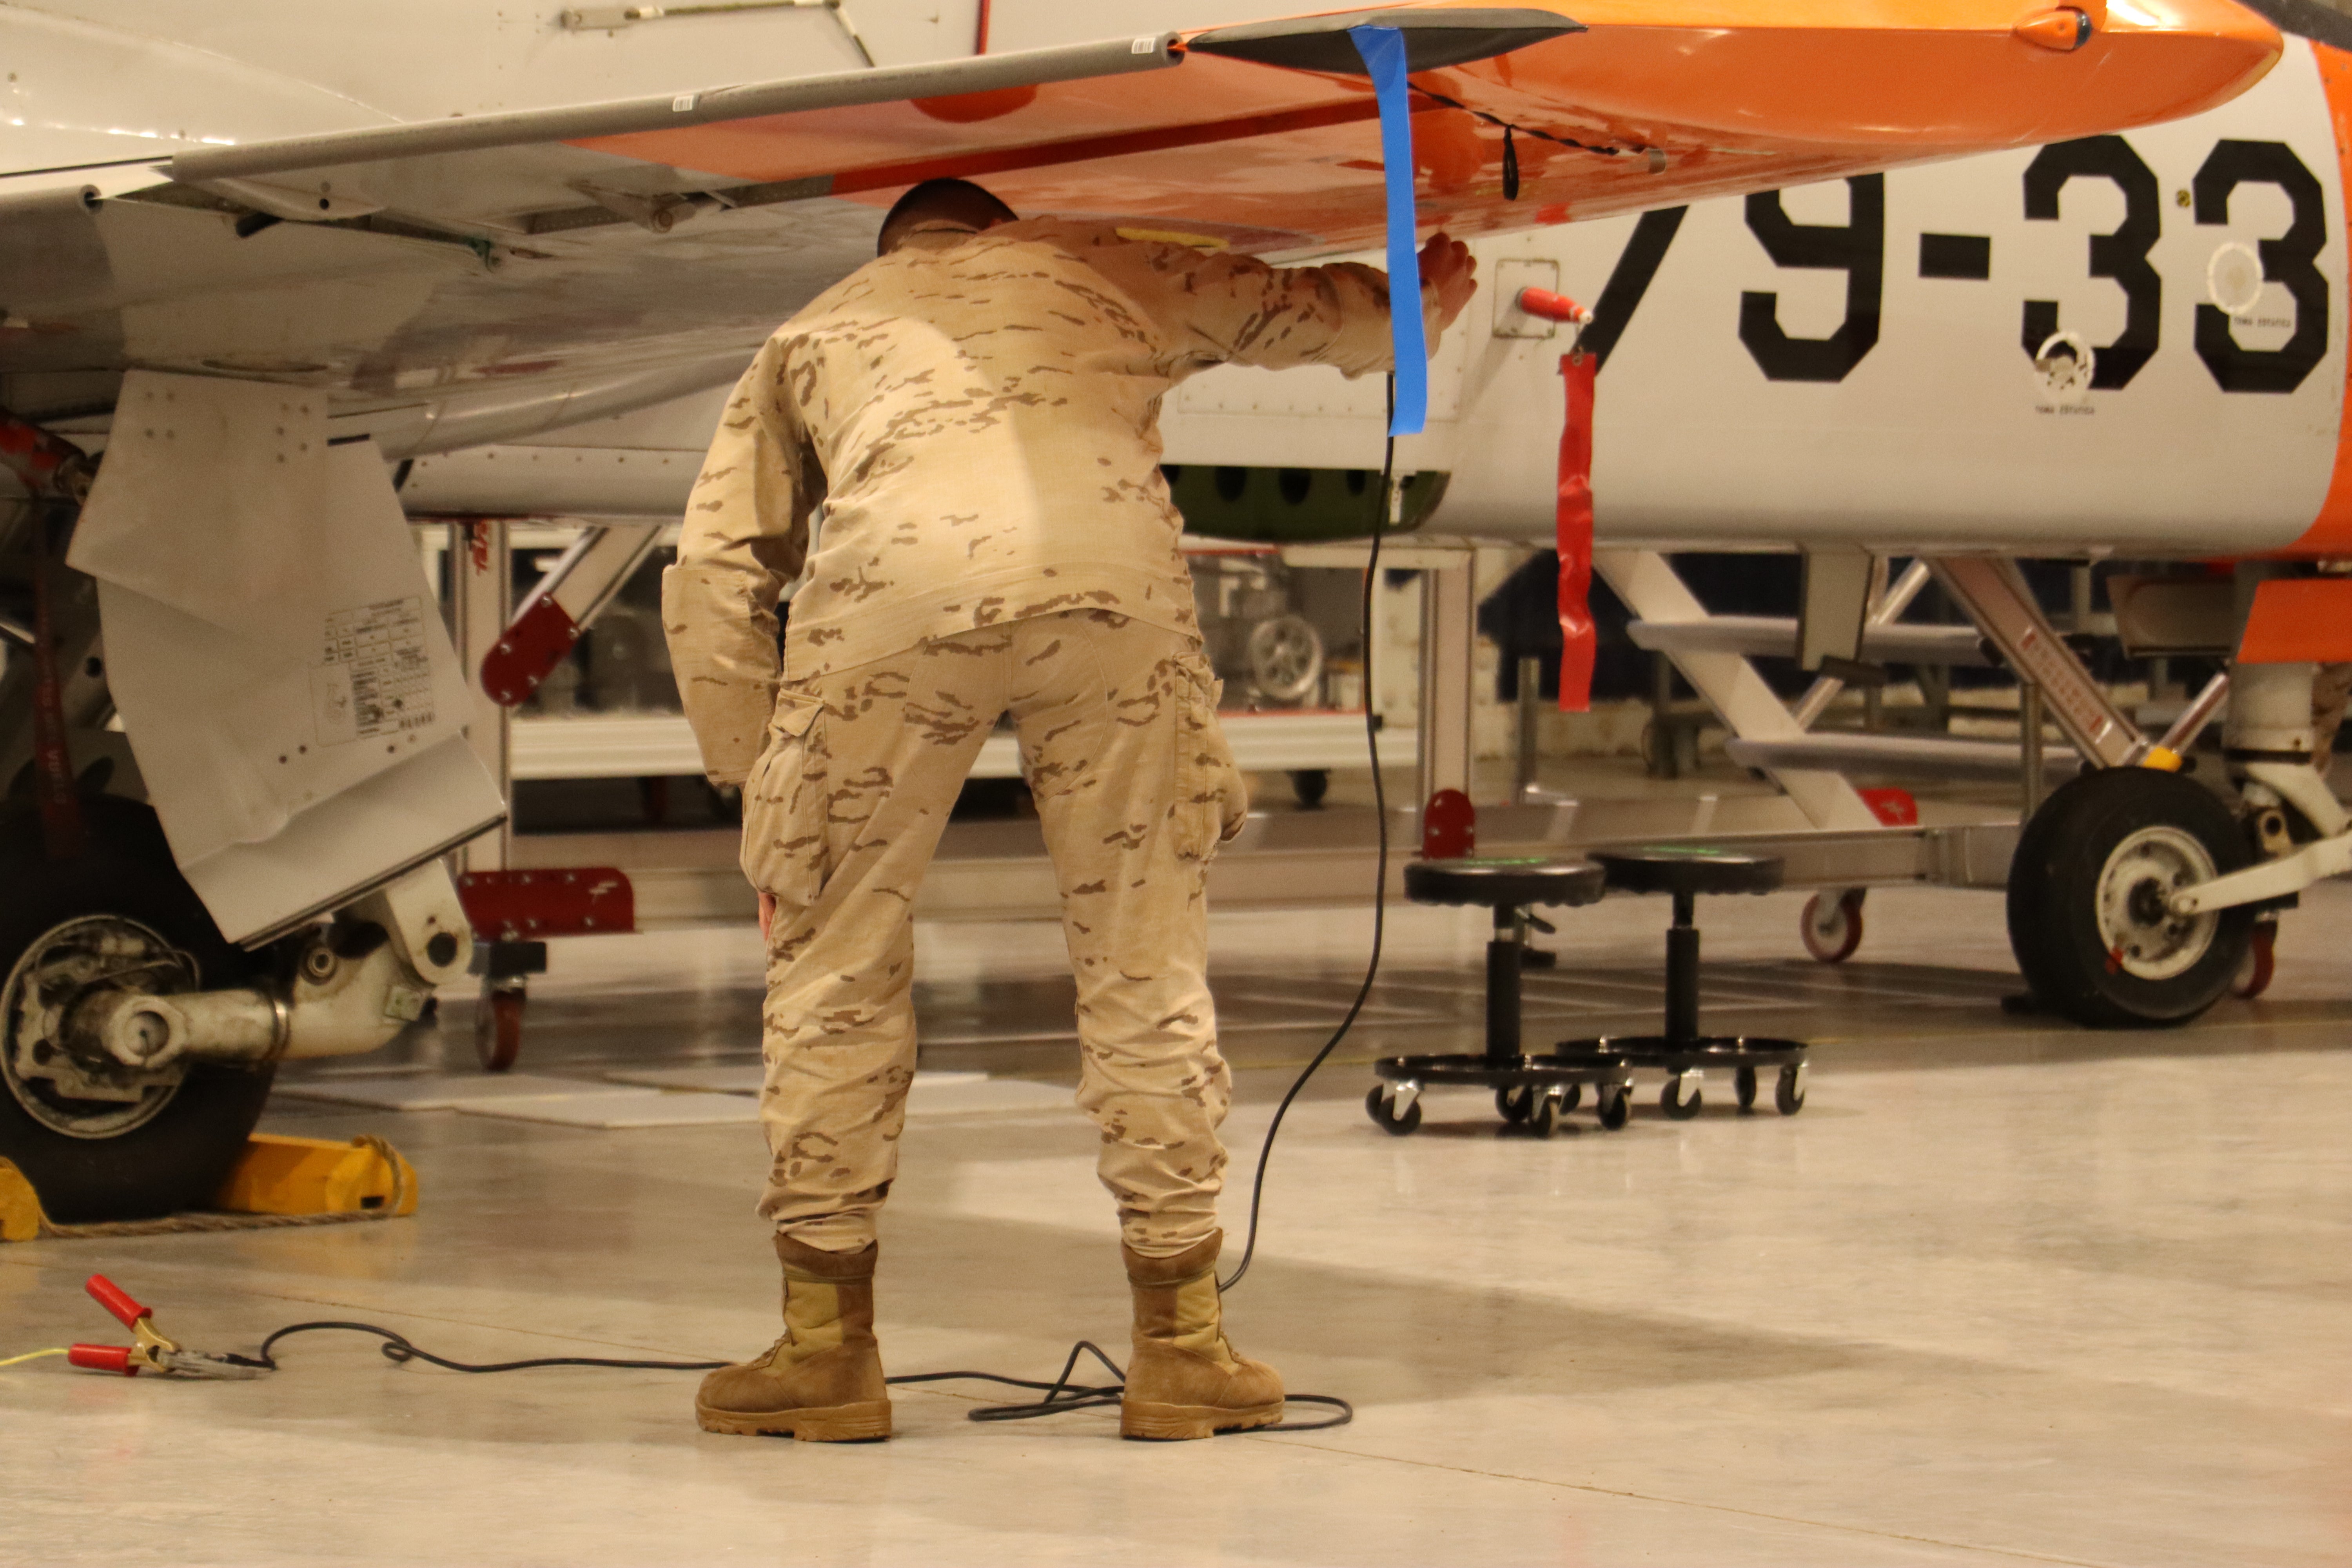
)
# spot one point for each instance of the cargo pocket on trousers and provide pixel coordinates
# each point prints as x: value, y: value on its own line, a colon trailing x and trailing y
x: 783, y: 804
x: 1212, y: 797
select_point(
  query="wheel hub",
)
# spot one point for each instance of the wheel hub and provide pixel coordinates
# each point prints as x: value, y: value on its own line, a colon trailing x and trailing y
x: 66, y: 1083
x: 1285, y: 658
x: 2142, y: 936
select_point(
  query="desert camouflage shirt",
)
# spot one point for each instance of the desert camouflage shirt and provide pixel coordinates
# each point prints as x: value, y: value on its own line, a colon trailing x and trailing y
x: 973, y: 420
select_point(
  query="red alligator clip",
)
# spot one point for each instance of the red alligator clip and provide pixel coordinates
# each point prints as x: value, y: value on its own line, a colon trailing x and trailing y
x: 154, y: 1352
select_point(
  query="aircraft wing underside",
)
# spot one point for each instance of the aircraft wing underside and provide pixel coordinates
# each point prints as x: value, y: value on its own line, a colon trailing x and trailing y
x: 401, y: 264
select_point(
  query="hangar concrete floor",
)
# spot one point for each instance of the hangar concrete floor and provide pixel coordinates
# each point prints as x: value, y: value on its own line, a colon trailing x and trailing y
x: 2004, y: 1291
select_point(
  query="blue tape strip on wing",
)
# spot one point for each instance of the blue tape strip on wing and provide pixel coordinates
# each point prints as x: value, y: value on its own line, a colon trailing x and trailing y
x: 1384, y: 58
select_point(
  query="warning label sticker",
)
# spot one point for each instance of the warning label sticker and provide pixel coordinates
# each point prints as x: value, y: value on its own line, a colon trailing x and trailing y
x: 374, y: 681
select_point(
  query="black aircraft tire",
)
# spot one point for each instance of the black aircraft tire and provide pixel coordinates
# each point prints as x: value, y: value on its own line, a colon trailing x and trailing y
x: 176, y: 1159
x: 2099, y: 824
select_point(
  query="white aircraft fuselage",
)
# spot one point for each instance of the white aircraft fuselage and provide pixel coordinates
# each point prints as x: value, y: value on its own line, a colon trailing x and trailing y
x: 2020, y: 352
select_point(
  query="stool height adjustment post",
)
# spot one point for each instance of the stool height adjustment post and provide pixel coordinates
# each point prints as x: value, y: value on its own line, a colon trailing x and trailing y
x: 1682, y: 972
x: 1503, y: 968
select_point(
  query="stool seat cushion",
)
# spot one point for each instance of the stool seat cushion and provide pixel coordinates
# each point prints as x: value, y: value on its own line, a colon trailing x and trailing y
x: 1673, y: 870
x: 1497, y: 883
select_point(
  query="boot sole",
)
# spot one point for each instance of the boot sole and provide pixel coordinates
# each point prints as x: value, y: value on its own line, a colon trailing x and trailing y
x: 1174, y: 1423
x: 833, y: 1423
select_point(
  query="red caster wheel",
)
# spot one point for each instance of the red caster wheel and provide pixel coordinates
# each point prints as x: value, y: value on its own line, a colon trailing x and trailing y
x: 497, y: 1024
x: 1832, y: 931
x: 2261, y: 963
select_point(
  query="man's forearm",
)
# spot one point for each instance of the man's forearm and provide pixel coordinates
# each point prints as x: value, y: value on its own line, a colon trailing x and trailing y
x: 722, y: 649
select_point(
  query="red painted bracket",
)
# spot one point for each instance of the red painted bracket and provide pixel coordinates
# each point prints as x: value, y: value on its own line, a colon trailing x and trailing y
x: 528, y: 652
x: 530, y: 906
x: 1894, y: 807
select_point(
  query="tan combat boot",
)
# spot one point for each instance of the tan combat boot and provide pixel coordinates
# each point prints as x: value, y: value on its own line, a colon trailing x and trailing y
x: 822, y: 1382
x: 1185, y: 1381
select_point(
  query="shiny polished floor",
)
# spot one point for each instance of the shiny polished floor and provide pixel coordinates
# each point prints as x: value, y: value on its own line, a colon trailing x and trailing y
x: 2004, y: 1292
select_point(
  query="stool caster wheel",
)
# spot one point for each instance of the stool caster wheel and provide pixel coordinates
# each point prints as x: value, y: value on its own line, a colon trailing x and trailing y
x: 1613, y: 1104
x: 1515, y: 1105
x: 1380, y: 1106
x: 1788, y: 1094
x: 1544, y: 1121
x: 1743, y: 1084
x: 1573, y: 1098
x: 1681, y: 1098
x: 498, y: 1024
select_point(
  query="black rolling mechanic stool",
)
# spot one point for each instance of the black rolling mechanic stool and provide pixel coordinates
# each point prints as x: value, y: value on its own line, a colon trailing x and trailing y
x: 1682, y: 1052
x: 1533, y: 1092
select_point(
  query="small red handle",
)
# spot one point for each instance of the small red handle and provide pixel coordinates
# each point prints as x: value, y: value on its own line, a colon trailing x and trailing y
x: 103, y: 1358
x: 112, y: 1297
x: 1552, y: 306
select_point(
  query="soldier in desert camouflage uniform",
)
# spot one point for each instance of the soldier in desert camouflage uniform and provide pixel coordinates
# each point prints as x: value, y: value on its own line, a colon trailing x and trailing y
x: 976, y: 415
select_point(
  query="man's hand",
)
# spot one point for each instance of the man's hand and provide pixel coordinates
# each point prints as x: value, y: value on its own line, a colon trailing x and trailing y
x: 1449, y: 275
x: 767, y: 913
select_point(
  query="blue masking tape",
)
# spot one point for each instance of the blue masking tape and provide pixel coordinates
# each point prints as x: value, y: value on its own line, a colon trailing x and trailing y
x: 1384, y: 58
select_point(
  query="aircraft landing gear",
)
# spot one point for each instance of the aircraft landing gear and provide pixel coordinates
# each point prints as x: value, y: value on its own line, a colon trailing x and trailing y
x: 99, y: 1140
x: 2087, y: 900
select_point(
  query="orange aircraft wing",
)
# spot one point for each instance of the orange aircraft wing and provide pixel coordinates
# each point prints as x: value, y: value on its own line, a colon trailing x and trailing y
x: 1264, y: 135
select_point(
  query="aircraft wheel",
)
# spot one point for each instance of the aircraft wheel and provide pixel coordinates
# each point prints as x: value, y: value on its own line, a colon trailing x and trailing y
x: 97, y: 1140
x: 1832, y: 930
x: 1285, y: 658
x: 2087, y: 887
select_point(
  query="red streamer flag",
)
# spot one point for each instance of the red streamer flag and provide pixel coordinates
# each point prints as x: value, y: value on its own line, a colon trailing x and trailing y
x: 1574, y: 521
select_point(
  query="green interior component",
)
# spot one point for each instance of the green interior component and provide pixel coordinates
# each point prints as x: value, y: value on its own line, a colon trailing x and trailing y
x: 1292, y: 506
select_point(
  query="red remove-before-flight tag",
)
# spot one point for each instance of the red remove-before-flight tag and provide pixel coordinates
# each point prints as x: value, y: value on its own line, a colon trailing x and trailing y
x: 1574, y: 521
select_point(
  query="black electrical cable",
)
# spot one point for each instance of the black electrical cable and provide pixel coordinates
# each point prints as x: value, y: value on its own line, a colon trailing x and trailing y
x: 1061, y: 1394
x: 399, y: 1350
x: 1380, y: 875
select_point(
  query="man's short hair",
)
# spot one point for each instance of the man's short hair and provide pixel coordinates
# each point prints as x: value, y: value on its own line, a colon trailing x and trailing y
x: 953, y: 201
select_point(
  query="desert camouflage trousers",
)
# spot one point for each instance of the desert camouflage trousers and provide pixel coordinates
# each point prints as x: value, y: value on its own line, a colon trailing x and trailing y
x: 1135, y: 789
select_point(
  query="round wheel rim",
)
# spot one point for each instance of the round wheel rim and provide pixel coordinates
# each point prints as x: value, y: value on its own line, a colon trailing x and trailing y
x: 2141, y: 936
x: 1285, y: 657
x: 64, y: 963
